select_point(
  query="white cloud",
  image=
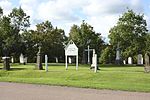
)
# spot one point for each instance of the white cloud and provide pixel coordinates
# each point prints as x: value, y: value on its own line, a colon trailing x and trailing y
x: 60, y: 10
x: 101, y: 14
x: 6, y: 6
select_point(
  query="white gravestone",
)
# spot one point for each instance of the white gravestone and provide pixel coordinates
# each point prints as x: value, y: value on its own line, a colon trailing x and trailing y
x: 21, y: 59
x: 12, y: 59
x: 56, y: 58
x: 71, y: 50
x: 130, y: 60
x: 94, y: 61
x: 70, y: 60
x: 124, y: 62
x: 140, y: 59
x: 25, y: 59
x: 46, y: 63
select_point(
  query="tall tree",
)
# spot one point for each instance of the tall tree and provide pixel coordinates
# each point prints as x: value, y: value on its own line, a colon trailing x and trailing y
x: 130, y: 33
x: 83, y: 36
x: 19, y: 22
x: 10, y: 27
x: 50, y: 38
x: 1, y: 11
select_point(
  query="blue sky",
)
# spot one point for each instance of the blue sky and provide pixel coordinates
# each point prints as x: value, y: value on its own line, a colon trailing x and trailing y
x: 101, y: 14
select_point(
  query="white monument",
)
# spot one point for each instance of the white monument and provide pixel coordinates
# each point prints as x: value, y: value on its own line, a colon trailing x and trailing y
x: 56, y: 59
x: 140, y: 59
x: 130, y: 60
x: 71, y: 50
x: 21, y: 58
x: 94, y: 61
x: 124, y: 62
x: 46, y: 63
x: 70, y: 60
x: 12, y: 59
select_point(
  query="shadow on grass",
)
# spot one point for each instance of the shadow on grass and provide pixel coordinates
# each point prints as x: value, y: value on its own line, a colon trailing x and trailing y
x: 15, y: 69
x: 118, y: 66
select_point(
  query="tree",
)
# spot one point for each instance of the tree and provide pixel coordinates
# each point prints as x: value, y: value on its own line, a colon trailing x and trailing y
x: 84, y: 36
x: 107, y: 55
x: 19, y: 22
x: 1, y: 12
x: 147, y: 50
x: 10, y: 26
x: 19, y: 19
x: 50, y: 38
x: 130, y: 33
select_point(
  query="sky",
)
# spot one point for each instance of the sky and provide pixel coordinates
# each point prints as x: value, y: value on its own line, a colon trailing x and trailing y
x: 101, y: 14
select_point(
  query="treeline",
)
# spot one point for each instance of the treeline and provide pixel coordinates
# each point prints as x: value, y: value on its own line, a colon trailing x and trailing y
x: 130, y: 33
x: 16, y: 39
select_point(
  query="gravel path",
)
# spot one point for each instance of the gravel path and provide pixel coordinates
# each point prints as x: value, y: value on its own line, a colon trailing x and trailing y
x: 17, y: 91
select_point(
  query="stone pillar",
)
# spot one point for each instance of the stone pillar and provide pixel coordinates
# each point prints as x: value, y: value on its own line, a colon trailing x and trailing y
x: 118, y: 57
x: 147, y: 63
x: 39, y: 60
x: 6, y: 63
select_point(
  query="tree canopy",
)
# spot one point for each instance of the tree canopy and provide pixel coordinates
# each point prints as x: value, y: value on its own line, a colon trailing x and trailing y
x: 83, y: 36
x: 51, y: 40
x: 130, y: 33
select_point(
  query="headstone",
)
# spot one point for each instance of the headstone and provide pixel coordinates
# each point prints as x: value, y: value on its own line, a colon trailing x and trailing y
x: 130, y: 60
x: 46, y: 63
x: 6, y: 63
x: 39, y: 60
x: 88, y: 50
x: 12, y: 60
x: 147, y: 63
x: 118, y: 58
x: 70, y: 60
x: 71, y: 50
x: 140, y: 59
x: 25, y: 60
x: 94, y: 61
x: 21, y: 59
x: 56, y: 58
x: 124, y: 62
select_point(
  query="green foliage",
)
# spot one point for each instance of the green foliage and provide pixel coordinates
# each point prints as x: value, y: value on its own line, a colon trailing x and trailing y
x: 130, y: 33
x: 147, y: 43
x: 106, y: 56
x: 1, y: 11
x: 11, y: 41
x: 83, y: 36
x: 19, y: 19
x: 129, y: 78
x: 50, y: 38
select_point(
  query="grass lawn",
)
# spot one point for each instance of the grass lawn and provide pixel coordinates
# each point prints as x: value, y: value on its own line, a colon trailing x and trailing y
x: 129, y: 78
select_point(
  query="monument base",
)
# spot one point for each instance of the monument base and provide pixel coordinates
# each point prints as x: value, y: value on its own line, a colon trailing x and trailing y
x: 118, y: 62
x: 6, y: 63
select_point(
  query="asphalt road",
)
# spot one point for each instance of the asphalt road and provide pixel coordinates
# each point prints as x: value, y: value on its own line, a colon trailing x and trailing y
x: 17, y: 91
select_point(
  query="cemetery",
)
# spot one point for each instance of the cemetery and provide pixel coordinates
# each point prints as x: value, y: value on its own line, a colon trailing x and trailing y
x: 116, y: 77
x: 82, y: 59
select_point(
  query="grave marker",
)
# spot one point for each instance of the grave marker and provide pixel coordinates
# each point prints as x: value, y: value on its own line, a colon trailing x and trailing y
x: 147, y: 64
x: 46, y: 63
x: 130, y: 60
x: 140, y: 59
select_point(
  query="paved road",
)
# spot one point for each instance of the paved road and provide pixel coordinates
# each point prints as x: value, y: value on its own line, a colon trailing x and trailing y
x: 17, y: 91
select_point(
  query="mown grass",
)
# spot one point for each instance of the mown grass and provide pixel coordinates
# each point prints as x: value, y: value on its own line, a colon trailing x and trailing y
x: 128, y: 78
